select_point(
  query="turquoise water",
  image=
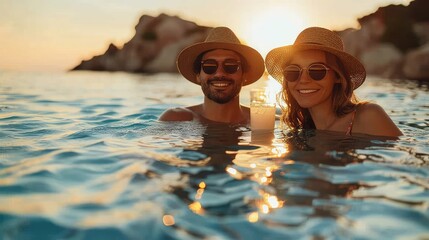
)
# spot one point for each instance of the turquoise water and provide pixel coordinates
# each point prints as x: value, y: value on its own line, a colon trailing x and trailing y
x: 82, y: 156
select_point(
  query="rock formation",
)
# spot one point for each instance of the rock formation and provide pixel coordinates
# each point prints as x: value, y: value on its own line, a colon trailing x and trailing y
x: 393, y: 41
x: 154, y: 47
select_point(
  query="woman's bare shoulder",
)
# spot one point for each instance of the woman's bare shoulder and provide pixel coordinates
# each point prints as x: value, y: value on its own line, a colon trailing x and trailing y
x: 372, y: 119
x: 177, y: 114
x: 370, y: 110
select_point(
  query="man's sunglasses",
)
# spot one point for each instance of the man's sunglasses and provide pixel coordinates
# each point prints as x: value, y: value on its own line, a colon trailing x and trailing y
x: 230, y: 66
x: 316, y: 71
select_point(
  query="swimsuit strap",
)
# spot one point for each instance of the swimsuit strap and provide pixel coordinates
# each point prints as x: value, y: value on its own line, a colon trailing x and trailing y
x: 349, y: 129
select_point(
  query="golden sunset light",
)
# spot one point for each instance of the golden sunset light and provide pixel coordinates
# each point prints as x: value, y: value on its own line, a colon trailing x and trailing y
x: 226, y: 119
x: 52, y: 35
x: 272, y: 28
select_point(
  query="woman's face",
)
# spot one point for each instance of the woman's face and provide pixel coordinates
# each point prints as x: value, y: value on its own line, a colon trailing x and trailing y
x: 305, y: 90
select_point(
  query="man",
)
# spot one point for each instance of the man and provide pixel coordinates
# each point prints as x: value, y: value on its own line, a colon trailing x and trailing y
x: 221, y: 65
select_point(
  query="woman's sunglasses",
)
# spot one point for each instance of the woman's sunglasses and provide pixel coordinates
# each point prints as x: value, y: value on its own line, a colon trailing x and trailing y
x: 229, y: 66
x: 316, y: 71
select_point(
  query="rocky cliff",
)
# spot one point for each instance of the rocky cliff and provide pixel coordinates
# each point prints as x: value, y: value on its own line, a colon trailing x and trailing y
x: 392, y: 42
x: 154, y: 47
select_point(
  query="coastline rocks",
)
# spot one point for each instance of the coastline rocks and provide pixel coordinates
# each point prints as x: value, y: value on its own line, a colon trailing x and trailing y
x: 382, y: 60
x: 416, y: 63
x: 153, y: 48
x: 166, y: 59
x: 393, y: 41
x: 358, y: 41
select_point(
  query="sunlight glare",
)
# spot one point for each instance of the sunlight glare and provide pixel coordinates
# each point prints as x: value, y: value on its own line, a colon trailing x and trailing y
x: 168, y: 220
x: 273, y: 28
x: 253, y: 217
x: 196, y: 207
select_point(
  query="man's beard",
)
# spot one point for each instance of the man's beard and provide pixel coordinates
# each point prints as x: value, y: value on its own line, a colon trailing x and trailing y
x: 220, y: 97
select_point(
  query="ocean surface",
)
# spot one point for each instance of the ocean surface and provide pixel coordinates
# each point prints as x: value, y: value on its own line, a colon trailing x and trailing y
x: 82, y: 156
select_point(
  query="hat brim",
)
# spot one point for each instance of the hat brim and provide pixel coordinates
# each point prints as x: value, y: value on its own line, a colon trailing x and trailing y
x: 277, y: 59
x: 254, y: 62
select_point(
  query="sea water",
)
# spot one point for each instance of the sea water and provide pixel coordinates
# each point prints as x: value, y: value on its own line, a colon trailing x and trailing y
x: 82, y: 156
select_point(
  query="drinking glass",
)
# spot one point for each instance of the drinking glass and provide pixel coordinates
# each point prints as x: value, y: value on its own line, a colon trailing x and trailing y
x: 262, y: 110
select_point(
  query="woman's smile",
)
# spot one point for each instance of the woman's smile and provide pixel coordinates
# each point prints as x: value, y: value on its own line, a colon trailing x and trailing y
x: 307, y: 91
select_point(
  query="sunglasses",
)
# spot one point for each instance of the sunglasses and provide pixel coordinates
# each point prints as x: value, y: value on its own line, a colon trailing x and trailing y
x: 316, y: 71
x: 230, y: 66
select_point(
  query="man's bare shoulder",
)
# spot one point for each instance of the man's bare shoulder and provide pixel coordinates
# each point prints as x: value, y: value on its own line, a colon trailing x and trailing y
x: 177, y: 114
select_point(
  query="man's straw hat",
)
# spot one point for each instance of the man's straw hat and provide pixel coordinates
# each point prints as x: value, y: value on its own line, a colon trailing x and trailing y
x: 221, y: 38
x: 315, y: 38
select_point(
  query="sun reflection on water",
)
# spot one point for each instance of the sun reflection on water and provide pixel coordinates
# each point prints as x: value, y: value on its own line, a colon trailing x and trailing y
x: 253, y: 217
x: 168, y: 220
x: 269, y: 202
x: 196, y: 206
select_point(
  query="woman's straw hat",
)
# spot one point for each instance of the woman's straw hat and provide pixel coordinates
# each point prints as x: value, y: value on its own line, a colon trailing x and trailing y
x: 221, y: 38
x: 316, y: 38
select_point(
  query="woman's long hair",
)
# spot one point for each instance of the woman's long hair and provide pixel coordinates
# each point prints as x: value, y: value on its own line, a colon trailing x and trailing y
x: 343, y: 99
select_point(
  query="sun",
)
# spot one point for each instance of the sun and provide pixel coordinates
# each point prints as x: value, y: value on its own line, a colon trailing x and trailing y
x: 272, y: 28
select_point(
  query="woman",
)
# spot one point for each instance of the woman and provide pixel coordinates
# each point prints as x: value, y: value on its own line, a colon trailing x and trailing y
x: 318, y: 79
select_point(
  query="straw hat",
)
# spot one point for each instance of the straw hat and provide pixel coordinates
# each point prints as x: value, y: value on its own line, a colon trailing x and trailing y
x: 221, y: 38
x: 316, y: 38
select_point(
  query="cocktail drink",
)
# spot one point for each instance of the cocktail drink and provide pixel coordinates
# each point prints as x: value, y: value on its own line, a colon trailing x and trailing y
x: 262, y: 110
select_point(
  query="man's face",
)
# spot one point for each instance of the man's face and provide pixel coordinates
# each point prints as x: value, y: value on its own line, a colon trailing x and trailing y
x: 221, y: 84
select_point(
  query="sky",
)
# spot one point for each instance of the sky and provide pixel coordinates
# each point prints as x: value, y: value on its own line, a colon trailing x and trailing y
x: 55, y: 35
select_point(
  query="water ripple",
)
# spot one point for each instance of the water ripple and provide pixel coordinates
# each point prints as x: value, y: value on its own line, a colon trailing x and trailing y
x: 94, y: 162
